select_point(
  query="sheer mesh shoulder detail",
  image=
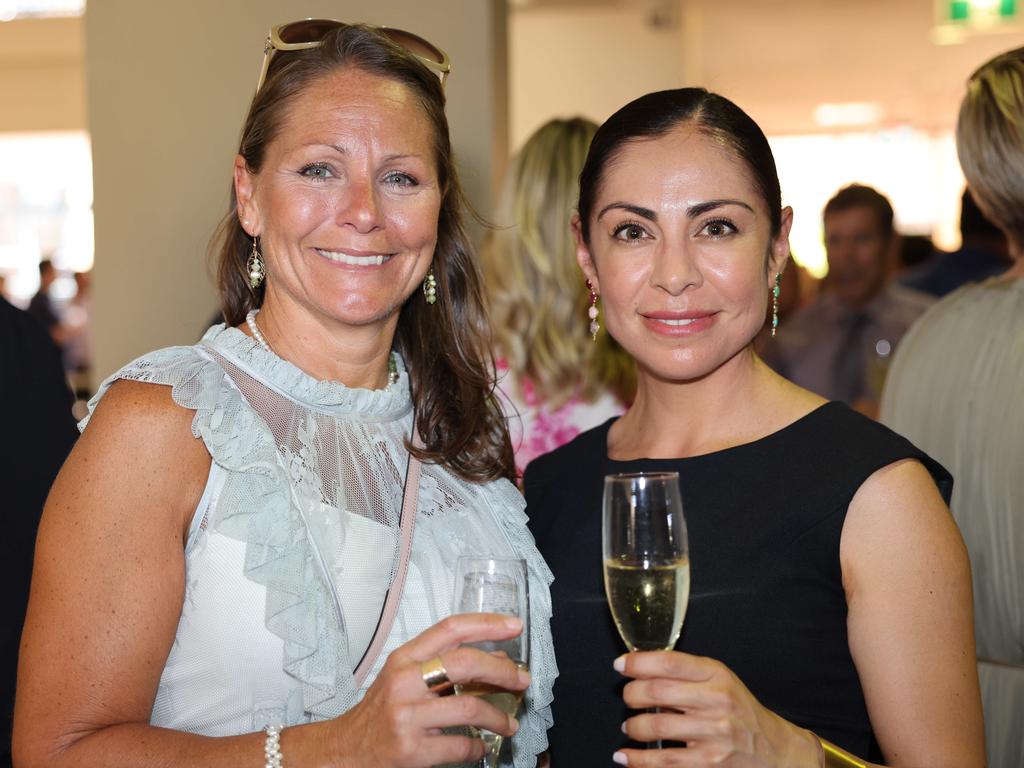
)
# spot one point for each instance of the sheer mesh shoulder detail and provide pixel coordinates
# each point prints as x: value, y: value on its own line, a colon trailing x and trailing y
x: 308, y: 465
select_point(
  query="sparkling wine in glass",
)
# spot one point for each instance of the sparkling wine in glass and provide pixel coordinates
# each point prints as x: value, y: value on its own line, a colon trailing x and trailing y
x: 495, y: 585
x: 646, y: 559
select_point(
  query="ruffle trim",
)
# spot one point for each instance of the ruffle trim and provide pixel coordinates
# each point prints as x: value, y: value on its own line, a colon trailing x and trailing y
x: 278, y: 554
x: 332, y: 396
x: 536, y: 717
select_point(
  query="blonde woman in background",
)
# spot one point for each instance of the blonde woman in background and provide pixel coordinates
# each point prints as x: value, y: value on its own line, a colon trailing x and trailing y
x: 557, y: 381
x: 954, y: 389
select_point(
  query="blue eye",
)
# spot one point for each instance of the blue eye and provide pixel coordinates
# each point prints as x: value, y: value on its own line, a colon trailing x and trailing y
x: 317, y: 171
x: 401, y: 179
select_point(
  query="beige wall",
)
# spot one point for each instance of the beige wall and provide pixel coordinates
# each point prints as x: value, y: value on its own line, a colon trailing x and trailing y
x: 42, y: 87
x: 584, y: 59
x: 777, y: 59
x: 168, y: 84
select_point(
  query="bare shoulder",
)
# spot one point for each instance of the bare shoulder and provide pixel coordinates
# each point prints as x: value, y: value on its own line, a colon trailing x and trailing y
x: 139, y: 444
x: 109, y: 573
x: 139, y: 405
x: 898, y: 499
x: 138, y: 411
x: 897, y: 512
x: 907, y: 581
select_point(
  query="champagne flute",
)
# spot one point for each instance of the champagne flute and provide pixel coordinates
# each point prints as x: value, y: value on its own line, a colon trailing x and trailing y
x: 646, y: 559
x: 495, y: 585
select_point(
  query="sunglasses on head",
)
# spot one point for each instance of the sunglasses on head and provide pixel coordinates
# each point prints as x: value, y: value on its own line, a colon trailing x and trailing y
x: 309, y: 33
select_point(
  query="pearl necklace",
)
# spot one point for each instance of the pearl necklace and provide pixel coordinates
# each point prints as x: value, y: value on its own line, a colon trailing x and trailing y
x: 250, y: 320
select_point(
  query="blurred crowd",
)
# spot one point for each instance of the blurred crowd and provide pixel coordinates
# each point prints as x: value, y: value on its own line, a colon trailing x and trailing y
x: 66, y: 319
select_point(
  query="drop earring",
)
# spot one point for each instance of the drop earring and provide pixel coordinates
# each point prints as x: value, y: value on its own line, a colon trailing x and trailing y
x: 776, y: 290
x: 592, y: 312
x: 430, y: 287
x: 257, y: 271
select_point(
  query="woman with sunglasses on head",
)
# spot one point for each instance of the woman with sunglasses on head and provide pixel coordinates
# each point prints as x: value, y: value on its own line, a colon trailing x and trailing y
x: 227, y: 571
x: 829, y: 621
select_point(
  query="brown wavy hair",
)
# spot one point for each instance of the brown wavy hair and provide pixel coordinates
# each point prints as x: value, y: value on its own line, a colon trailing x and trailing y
x: 446, y: 346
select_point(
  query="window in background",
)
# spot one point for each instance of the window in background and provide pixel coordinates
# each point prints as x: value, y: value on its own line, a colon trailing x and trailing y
x: 45, y: 209
x: 916, y: 170
x: 35, y: 9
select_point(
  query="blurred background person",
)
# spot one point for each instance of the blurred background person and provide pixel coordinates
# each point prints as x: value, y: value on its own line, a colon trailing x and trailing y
x: 37, y: 436
x: 78, y: 338
x: 955, y: 390
x: 41, y: 306
x: 914, y: 253
x: 556, y: 379
x: 983, y: 253
x: 838, y: 346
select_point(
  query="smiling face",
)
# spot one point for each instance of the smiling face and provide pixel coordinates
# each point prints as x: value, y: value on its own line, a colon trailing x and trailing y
x: 679, y: 241
x: 346, y: 203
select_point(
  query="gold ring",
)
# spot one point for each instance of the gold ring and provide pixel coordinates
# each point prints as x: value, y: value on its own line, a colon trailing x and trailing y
x: 435, y: 676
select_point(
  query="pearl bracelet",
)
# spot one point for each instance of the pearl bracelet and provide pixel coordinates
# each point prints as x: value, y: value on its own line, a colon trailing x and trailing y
x: 272, y: 749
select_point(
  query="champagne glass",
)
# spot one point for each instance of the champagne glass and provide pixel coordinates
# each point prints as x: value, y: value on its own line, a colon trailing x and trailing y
x: 495, y: 585
x: 646, y: 559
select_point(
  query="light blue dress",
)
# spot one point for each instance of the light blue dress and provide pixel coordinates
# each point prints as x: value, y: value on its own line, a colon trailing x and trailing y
x: 297, y: 524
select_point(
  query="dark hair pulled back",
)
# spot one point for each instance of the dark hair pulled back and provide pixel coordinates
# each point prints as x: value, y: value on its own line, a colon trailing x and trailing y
x: 654, y: 115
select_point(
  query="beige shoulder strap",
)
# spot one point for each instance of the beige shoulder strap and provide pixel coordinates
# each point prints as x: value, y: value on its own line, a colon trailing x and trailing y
x: 410, y: 499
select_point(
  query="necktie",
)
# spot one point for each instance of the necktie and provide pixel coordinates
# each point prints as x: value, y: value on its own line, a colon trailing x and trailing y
x: 848, y: 364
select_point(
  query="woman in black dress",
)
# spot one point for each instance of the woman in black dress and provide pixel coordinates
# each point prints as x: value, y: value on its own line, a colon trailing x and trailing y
x: 830, y: 612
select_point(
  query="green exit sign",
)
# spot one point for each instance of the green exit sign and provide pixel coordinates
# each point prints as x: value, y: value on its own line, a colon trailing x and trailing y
x: 980, y: 12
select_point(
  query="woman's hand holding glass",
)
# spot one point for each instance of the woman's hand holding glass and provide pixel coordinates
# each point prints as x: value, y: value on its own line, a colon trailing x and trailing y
x: 701, y: 702
x: 400, y: 721
x: 683, y: 698
x: 497, y: 585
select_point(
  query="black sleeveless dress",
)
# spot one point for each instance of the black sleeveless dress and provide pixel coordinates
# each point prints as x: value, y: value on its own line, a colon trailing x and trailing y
x: 764, y: 522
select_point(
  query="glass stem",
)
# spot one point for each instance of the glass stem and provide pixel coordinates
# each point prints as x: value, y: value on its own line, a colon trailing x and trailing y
x: 656, y: 744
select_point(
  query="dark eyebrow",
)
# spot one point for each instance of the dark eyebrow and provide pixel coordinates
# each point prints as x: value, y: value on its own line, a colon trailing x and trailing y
x: 636, y: 210
x: 692, y: 212
x: 701, y: 208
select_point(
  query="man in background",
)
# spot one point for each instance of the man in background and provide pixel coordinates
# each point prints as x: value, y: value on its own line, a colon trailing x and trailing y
x: 983, y: 253
x: 839, y: 346
x: 37, y: 434
x: 41, y: 306
x: 77, y: 346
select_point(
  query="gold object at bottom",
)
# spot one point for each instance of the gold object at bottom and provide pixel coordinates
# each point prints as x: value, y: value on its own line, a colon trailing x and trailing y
x: 435, y: 676
x: 838, y: 758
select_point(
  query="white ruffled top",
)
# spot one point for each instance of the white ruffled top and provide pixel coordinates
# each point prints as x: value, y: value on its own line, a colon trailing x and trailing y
x: 302, y: 502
